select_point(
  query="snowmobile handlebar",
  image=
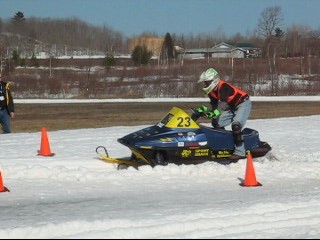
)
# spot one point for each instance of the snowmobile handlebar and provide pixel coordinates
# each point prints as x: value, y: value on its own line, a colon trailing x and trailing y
x: 203, y: 111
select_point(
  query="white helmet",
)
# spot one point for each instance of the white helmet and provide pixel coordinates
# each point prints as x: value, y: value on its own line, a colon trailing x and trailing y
x: 211, y: 78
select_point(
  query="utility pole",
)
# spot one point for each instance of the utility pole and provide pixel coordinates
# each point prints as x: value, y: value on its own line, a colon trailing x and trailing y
x: 1, y: 62
x: 50, y: 66
x: 9, y: 59
x: 50, y: 61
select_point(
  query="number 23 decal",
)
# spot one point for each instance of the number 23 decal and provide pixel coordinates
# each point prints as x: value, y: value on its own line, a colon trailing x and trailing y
x: 184, y: 122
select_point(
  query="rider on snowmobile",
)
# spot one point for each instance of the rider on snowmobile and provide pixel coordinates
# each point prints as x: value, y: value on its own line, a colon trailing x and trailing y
x: 230, y: 105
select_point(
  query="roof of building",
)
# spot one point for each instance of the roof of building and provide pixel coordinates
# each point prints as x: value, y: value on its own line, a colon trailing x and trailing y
x: 219, y: 48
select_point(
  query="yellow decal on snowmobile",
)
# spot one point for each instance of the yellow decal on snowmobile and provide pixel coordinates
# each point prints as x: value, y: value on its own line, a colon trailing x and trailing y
x: 146, y: 147
x: 177, y: 118
x: 165, y: 140
x: 186, y: 153
x: 222, y: 154
x: 201, y: 153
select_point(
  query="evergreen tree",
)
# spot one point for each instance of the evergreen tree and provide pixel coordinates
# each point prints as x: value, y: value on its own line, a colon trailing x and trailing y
x: 109, y: 61
x: 34, y: 61
x: 167, y: 52
x: 18, y: 23
x: 18, y: 17
x: 16, y: 57
x: 140, y: 55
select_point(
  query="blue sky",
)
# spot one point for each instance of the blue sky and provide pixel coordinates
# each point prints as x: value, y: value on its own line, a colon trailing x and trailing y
x: 133, y: 17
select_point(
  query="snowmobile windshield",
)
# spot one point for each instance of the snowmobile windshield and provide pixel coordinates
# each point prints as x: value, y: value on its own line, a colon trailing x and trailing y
x: 177, y: 118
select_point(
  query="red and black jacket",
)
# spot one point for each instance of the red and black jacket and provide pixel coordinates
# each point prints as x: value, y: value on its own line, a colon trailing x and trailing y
x: 227, y: 93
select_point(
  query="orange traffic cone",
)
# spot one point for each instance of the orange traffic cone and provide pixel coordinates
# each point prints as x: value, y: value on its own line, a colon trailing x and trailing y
x: 45, y: 146
x: 2, y: 188
x: 250, y: 178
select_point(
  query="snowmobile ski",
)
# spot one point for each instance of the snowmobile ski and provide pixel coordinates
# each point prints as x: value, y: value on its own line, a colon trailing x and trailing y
x: 122, y: 162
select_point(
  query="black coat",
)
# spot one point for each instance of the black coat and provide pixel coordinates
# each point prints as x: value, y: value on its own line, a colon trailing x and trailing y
x: 7, y: 96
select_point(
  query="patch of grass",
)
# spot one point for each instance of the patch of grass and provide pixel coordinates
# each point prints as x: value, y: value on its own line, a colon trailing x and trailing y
x: 32, y: 117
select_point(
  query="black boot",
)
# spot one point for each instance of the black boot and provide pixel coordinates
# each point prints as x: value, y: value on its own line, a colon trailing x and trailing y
x: 235, y: 157
x: 238, y: 140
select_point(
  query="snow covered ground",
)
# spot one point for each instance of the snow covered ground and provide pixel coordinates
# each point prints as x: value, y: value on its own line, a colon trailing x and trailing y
x: 75, y: 195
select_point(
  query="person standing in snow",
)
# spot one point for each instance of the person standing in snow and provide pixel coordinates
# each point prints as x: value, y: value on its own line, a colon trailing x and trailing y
x: 230, y: 105
x: 6, y: 106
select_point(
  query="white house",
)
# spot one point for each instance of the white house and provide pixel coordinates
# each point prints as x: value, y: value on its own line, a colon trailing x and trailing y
x: 222, y: 50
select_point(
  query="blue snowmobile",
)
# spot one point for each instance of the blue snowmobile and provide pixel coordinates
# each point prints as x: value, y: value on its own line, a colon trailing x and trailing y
x: 178, y: 139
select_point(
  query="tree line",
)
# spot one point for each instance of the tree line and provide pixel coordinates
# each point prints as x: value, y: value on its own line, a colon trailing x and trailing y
x: 62, y: 35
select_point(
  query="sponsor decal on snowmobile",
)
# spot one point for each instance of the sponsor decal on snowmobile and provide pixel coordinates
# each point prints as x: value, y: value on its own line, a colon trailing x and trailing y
x: 195, y: 153
x: 192, y: 144
x: 203, y: 143
x: 221, y: 154
x: 201, y: 152
x: 186, y: 153
x: 168, y: 140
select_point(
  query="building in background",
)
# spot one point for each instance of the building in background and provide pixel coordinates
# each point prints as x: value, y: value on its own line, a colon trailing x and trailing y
x: 222, y: 50
x: 153, y: 44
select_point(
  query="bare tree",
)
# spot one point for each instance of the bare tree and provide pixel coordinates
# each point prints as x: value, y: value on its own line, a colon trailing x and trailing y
x: 269, y: 28
x: 1, y: 25
x: 270, y: 19
x: 296, y: 40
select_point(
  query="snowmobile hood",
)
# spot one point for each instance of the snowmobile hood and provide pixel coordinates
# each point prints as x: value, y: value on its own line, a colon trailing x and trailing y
x: 176, y: 121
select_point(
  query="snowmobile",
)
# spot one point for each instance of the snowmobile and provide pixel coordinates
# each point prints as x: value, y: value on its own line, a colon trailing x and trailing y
x: 179, y: 139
